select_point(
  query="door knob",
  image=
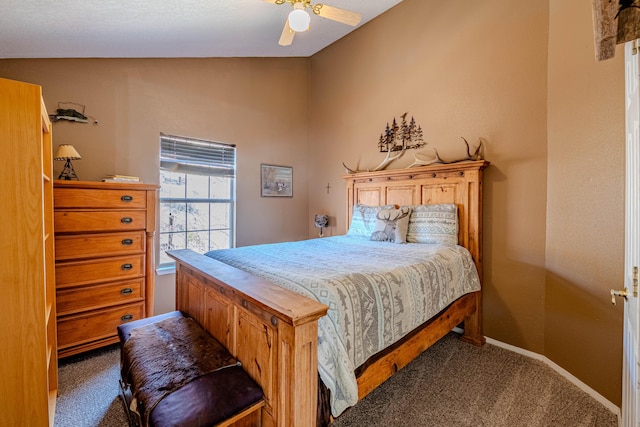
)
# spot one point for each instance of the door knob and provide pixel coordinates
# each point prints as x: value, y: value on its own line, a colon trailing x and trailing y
x: 623, y: 293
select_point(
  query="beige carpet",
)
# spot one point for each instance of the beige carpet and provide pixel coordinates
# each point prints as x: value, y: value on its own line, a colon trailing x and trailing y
x: 451, y: 384
x: 456, y: 384
x: 88, y: 390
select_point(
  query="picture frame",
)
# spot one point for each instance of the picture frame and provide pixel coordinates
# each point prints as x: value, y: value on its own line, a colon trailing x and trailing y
x: 276, y: 181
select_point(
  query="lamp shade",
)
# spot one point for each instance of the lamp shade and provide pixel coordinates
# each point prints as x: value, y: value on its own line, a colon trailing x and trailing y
x: 66, y: 152
x: 299, y: 19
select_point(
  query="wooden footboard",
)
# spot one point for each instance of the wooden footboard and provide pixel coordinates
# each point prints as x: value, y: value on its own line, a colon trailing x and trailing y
x: 271, y: 330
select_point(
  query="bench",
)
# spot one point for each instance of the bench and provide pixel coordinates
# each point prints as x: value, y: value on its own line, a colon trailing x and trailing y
x: 173, y: 373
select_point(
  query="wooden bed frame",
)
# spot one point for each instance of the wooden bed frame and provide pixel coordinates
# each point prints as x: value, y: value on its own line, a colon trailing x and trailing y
x: 274, y: 331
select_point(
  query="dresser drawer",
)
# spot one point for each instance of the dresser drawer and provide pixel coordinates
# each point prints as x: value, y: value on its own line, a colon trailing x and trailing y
x: 99, y: 270
x: 92, y: 198
x: 74, y: 300
x: 95, y: 325
x: 83, y: 221
x: 98, y: 245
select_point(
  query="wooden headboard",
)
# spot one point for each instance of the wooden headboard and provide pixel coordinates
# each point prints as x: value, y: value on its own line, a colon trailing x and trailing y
x: 459, y: 183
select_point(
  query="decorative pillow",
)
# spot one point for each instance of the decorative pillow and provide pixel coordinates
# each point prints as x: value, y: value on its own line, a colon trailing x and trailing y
x: 433, y: 224
x: 363, y: 220
x: 391, y: 225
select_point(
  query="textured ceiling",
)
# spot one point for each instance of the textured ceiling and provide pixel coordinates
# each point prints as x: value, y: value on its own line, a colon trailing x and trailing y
x: 163, y: 28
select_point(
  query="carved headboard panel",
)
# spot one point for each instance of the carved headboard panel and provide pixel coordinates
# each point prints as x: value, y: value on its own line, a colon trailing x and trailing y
x: 459, y: 183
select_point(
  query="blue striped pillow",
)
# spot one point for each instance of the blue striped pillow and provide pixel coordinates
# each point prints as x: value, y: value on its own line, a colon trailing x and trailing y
x: 433, y: 224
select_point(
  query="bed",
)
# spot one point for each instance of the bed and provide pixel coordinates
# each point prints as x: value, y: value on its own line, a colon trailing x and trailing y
x: 258, y: 312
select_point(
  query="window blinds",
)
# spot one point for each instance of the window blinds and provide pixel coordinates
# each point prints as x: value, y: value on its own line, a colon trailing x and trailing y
x: 197, y: 156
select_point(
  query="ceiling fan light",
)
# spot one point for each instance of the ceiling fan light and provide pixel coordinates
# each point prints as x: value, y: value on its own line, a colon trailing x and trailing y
x: 299, y: 20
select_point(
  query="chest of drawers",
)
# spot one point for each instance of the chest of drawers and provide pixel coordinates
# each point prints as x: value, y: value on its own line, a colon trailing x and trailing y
x: 104, y: 260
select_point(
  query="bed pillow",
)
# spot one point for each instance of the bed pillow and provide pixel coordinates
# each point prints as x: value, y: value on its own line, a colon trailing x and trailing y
x: 433, y: 224
x: 391, y: 225
x: 363, y: 220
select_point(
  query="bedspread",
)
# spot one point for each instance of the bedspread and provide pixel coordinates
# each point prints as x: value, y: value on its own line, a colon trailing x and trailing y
x: 377, y: 292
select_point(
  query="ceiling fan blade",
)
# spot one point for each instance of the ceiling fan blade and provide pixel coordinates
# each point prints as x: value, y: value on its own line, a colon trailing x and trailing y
x: 336, y: 14
x: 286, y: 38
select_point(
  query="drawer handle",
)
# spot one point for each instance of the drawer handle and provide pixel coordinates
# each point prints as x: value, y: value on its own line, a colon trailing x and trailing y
x: 126, y: 317
x: 126, y: 266
x: 126, y: 198
x: 126, y: 220
x: 127, y: 242
x: 126, y: 291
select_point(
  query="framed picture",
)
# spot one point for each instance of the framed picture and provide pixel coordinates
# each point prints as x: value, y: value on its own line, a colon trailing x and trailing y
x: 276, y: 181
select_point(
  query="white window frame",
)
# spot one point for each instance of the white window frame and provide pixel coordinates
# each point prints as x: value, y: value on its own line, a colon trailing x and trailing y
x: 196, y: 157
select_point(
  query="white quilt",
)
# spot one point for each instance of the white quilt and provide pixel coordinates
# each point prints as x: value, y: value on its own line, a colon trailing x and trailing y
x: 377, y: 292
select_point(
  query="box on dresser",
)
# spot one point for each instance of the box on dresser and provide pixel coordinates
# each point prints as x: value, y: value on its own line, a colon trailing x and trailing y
x: 104, y: 241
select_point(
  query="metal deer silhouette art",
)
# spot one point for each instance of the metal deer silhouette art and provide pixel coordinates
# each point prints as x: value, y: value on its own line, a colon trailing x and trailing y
x: 396, y: 138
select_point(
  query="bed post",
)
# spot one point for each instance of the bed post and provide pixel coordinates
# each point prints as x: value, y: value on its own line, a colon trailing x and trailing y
x: 473, y: 324
x: 473, y: 330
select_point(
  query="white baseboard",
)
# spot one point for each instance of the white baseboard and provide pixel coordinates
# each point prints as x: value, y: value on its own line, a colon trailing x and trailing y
x: 582, y: 386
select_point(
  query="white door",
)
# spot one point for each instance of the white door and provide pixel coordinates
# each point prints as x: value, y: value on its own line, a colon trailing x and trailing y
x: 630, y: 394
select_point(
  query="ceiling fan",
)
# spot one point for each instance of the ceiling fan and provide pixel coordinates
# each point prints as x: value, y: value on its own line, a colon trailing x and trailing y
x: 298, y: 20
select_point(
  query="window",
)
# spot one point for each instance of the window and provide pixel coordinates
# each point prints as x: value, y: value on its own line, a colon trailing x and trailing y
x: 197, y: 195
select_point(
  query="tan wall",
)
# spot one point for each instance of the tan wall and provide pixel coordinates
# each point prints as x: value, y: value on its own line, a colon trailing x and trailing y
x: 585, y: 202
x: 480, y: 71
x: 520, y: 75
x: 455, y: 70
x: 261, y: 105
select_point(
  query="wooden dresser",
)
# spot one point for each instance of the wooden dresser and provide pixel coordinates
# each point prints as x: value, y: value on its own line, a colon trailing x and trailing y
x: 29, y: 368
x: 104, y: 241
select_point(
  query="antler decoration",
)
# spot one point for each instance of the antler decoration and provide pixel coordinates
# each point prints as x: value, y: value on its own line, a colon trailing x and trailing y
x: 387, y: 160
x: 477, y: 155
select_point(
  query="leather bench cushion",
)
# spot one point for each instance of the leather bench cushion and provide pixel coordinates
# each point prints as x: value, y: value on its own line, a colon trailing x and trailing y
x: 207, y: 400
x: 124, y: 330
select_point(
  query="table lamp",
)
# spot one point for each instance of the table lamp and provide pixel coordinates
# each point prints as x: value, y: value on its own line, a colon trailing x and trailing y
x: 67, y: 152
